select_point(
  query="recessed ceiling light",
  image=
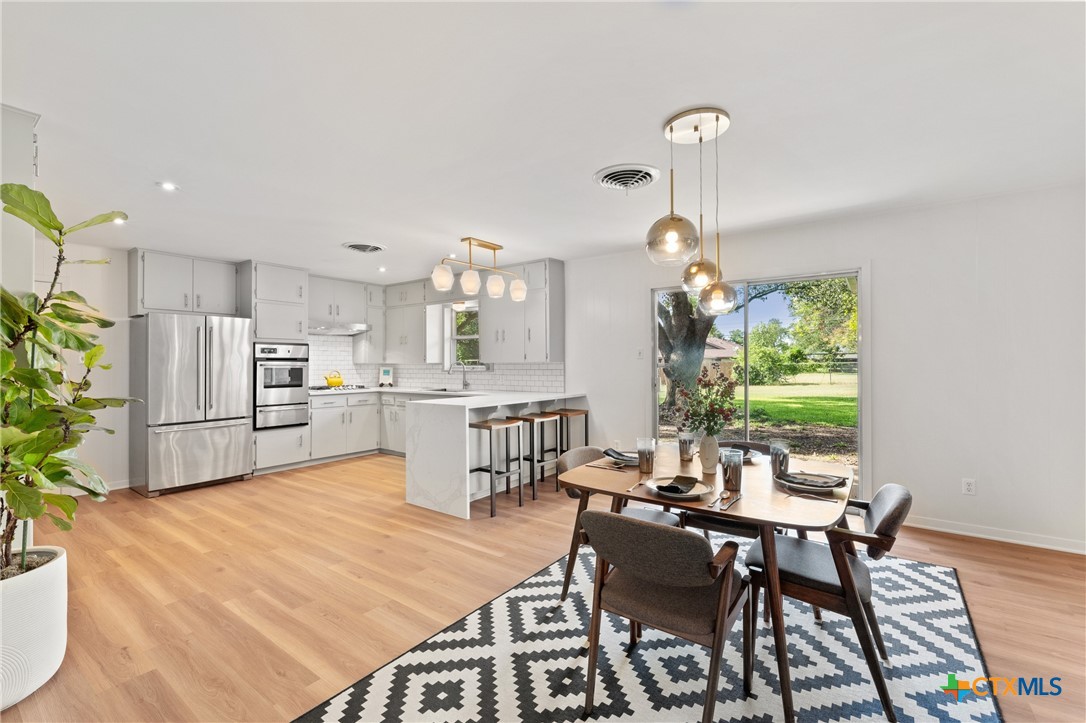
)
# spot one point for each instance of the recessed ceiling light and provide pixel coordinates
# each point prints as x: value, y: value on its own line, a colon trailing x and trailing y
x: 452, y: 256
x: 168, y: 186
x: 381, y: 269
x: 119, y: 221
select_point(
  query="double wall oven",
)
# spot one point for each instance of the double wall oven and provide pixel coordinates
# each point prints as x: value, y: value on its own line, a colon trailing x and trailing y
x: 282, y: 385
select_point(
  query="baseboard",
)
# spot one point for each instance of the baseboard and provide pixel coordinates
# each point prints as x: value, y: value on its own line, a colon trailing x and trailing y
x: 999, y: 534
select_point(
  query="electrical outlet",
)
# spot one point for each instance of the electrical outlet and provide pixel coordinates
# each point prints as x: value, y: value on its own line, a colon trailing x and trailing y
x: 969, y: 486
x: 640, y: 353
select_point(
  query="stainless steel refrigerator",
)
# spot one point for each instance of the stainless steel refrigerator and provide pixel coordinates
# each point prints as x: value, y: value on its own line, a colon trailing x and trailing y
x: 195, y: 377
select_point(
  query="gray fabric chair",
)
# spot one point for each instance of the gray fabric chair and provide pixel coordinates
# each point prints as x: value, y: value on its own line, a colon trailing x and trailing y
x: 584, y: 455
x: 668, y: 579
x: 833, y: 577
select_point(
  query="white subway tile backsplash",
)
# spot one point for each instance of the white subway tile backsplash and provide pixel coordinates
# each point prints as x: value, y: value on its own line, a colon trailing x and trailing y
x: 334, y: 353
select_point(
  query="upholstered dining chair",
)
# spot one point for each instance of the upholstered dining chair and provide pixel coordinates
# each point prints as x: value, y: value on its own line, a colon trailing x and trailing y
x: 583, y: 455
x: 668, y: 579
x: 835, y: 578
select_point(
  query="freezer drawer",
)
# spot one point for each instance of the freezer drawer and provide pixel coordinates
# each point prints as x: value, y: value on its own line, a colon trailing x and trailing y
x: 186, y: 454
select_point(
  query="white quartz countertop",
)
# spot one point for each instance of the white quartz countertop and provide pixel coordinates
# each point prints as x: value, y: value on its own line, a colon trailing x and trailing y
x: 390, y: 390
x: 482, y: 400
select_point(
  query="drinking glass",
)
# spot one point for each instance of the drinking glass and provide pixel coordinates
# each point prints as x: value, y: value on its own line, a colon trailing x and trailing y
x: 646, y: 454
x: 778, y: 456
x: 731, y: 464
x: 686, y: 446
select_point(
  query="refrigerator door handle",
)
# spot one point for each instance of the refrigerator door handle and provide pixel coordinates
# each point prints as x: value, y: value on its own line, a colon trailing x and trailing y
x: 172, y: 429
x: 199, y: 333
x: 210, y: 374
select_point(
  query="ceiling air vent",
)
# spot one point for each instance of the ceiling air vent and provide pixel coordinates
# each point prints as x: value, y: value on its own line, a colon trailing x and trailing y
x: 626, y: 176
x: 364, y: 248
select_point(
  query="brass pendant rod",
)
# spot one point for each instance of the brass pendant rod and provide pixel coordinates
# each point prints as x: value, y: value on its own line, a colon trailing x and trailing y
x: 701, y: 202
x: 716, y: 150
x: 470, y: 265
x: 671, y: 130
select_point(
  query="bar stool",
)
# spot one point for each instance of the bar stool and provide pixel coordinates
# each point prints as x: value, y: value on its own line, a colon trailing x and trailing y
x: 494, y: 427
x: 566, y: 415
x: 537, y: 452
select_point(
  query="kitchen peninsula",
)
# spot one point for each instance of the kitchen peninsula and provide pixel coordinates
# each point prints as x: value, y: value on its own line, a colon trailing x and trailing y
x: 441, y: 449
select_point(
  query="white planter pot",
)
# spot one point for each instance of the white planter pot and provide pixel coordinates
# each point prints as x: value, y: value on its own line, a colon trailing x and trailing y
x: 33, y: 627
x: 709, y: 453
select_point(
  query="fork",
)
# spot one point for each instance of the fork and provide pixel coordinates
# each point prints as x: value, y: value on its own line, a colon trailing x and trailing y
x: 806, y: 496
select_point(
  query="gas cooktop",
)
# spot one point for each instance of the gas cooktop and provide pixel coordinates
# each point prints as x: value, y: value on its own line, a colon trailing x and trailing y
x: 345, y: 387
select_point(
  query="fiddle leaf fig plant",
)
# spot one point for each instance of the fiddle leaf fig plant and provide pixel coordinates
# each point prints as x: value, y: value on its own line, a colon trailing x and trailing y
x: 47, y: 406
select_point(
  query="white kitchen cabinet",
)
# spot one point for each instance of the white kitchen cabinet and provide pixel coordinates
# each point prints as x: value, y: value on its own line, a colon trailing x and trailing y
x: 532, y: 330
x: 215, y: 286
x: 369, y: 347
x: 535, y: 327
x: 333, y: 302
x: 329, y: 429
x: 279, y: 283
x: 322, y: 301
x: 166, y: 282
x: 412, y: 292
x: 405, y: 334
x: 279, y: 322
x: 350, y: 302
x: 284, y: 445
x: 363, y: 423
x: 534, y: 274
x: 375, y: 295
x: 393, y: 428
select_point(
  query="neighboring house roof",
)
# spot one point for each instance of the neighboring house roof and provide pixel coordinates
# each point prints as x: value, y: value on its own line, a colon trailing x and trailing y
x: 720, y: 348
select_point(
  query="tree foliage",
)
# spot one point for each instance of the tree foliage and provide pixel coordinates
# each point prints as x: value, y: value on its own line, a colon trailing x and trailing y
x: 47, y: 408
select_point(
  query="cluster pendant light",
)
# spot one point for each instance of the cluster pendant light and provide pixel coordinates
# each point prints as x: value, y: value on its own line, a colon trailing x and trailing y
x: 470, y: 281
x: 701, y: 276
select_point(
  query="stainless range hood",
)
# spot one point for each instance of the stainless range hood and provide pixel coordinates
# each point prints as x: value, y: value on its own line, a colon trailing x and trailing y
x: 343, y: 330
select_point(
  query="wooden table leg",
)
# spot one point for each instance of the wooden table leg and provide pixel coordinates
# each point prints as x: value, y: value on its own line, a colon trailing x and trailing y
x: 776, y: 611
x: 575, y: 544
x: 616, y: 504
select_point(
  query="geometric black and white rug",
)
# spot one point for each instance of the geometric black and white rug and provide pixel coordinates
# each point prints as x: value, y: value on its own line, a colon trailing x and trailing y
x: 522, y: 657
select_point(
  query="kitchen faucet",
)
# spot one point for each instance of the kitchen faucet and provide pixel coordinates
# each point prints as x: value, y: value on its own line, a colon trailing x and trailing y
x: 464, y: 376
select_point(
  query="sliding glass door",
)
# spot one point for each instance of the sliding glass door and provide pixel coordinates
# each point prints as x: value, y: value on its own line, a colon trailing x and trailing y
x: 792, y: 348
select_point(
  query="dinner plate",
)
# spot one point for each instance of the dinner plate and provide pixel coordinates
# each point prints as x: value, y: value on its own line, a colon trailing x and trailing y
x: 798, y: 484
x: 695, y: 492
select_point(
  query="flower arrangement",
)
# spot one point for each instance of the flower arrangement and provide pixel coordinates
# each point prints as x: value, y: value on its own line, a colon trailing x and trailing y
x: 709, y: 405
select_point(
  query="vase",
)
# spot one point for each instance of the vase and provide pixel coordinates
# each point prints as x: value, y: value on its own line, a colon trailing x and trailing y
x: 709, y: 453
x: 34, y: 626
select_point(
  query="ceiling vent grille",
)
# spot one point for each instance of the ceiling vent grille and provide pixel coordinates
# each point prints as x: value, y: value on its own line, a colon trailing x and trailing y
x: 364, y: 248
x: 626, y: 176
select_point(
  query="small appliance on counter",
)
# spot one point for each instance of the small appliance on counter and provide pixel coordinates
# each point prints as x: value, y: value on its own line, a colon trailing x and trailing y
x: 333, y: 379
x: 384, y: 378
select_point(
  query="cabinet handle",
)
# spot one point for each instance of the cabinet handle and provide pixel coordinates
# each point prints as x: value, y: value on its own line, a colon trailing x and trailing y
x: 186, y: 301
x: 495, y: 335
x: 352, y: 417
x: 329, y: 310
x: 342, y: 417
x: 337, y: 309
x: 503, y: 336
x: 529, y: 333
x: 300, y: 291
x: 197, y: 301
x: 299, y: 327
x: 299, y: 440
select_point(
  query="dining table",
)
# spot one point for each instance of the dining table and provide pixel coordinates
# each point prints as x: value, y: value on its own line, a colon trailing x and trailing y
x: 765, y: 504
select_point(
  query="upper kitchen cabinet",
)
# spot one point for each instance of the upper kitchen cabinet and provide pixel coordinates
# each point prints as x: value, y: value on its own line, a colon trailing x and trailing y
x: 333, y: 302
x: 405, y: 335
x: 276, y: 298
x: 529, y: 331
x: 412, y: 292
x: 375, y: 296
x: 167, y: 282
x: 433, y: 295
x: 279, y: 283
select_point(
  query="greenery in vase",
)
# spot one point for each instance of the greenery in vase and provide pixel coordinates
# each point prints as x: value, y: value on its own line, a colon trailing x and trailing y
x: 47, y: 409
x: 708, y: 405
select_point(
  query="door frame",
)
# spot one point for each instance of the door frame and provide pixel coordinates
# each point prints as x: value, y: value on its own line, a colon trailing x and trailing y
x: 865, y: 426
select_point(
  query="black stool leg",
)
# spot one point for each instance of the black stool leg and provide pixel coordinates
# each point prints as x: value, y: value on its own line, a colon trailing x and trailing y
x: 493, y: 479
x: 520, y: 469
x: 531, y: 457
x: 586, y: 429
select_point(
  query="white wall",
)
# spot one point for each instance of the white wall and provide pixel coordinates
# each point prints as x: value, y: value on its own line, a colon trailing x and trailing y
x: 17, y: 166
x: 104, y: 287
x: 974, y: 342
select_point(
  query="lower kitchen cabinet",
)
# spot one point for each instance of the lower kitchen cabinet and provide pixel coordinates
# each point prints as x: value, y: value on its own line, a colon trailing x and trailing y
x: 394, y: 427
x: 329, y: 428
x: 363, y: 424
x: 283, y: 445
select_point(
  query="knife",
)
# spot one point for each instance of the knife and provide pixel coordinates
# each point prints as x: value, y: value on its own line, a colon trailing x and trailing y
x: 731, y: 502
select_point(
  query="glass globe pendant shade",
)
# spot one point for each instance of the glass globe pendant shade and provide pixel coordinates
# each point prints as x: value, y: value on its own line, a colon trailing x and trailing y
x: 697, y: 275
x: 442, y: 276
x: 495, y: 286
x: 459, y: 305
x: 671, y: 241
x: 518, y: 290
x: 470, y: 282
x: 717, y: 298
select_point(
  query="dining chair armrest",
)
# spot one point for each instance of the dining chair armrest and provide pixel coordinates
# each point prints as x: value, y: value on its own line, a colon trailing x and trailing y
x: 843, y: 535
x: 858, y: 504
x: 724, y: 559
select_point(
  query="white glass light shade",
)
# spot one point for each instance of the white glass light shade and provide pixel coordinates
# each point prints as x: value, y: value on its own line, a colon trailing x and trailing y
x: 518, y: 290
x: 697, y: 275
x: 470, y: 282
x: 495, y: 286
x: 671, y: 241
x: 717, y: 298
x: 442, y: 276
x: 459, y: 305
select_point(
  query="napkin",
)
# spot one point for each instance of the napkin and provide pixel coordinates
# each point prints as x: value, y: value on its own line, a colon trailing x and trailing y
x: 680, y: 485
x: 825, y: 481
x: 620, y: 457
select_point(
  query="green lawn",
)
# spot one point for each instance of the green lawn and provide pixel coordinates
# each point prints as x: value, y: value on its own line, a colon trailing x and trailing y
x: 835, y: 411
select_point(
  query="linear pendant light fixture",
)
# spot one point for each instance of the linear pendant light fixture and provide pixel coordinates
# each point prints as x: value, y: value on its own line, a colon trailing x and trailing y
x: 470, y: 282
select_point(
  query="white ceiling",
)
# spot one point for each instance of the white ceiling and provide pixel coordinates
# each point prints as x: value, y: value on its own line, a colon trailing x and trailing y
x: 294, y: 128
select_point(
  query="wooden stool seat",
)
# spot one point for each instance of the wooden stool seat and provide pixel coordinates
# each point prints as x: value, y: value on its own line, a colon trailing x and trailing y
x: 565, y: 414
x: 489, y: 424
x: 536, y: 416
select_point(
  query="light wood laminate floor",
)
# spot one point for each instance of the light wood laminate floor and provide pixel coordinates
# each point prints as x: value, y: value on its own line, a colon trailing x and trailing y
x: 257, y: 600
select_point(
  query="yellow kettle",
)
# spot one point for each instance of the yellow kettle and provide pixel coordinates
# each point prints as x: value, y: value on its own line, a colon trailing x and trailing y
x: 333, y: 379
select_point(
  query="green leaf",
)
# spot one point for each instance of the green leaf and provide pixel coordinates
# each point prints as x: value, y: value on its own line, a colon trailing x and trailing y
x: 99, y: 219
x: 7, y: 360
x: 64, y: 503
x: 60, y: 522
x: 93, y: 481
x: 24, y: 501
x: 18, y: 196
x: 34, y: 221
x: 79, y: 313
x: 15, y: 313
x: 92, y: 356
x: 10, y: 436
x: 69, y: 296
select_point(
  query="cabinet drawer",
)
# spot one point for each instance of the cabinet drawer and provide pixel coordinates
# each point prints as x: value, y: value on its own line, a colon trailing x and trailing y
x: 326, y: 402
x: 286, y: 445
x: 361, y: 400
